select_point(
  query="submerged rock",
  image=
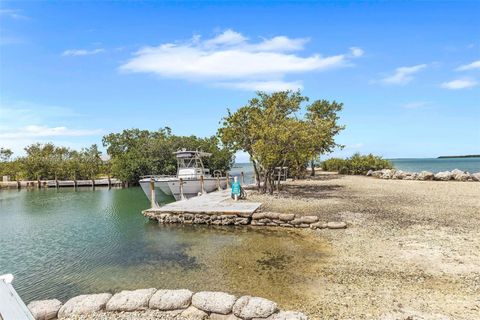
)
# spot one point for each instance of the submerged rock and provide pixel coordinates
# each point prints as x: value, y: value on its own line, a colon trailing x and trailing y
x: 83, y: 304
x: 45, y: 309
x: 218, y: 302
x: 171, y: 299
x: 248, y: 307
x: 130, y: 300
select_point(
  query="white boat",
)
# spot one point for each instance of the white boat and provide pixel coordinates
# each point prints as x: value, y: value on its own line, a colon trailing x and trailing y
x: 188, y: 181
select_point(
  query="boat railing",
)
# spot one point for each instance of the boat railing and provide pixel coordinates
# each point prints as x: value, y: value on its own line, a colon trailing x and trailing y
x: 157, y: 176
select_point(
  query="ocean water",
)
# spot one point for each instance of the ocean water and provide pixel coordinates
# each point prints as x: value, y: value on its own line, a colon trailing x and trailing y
x: 406, y: 164
x: 436, y: 165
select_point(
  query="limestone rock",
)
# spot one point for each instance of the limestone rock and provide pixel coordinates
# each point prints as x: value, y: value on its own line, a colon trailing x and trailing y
x: 248, y: 307
x: 44, y: 309
x: 443, y: 176
x: 218, y: 302
x: 216, y: 316
x: 399, y: 174
x: 425, y: 175
x: 462, y: 176
x: 286, y: 216
x: 171, y: 299
x: 289, y: 315
x: 456, y: 171
x: 193, y: 313
x: 377, y: 174
x: 130, y: 300
x: 336, y: 225
x: 387, y: 173
x: 308, y: 219
x: 476, y: 176
x: 272, y: 215
x: 258, y: 215
x: 369, y: 173
x: 83, y: 304
x: 318, y: 225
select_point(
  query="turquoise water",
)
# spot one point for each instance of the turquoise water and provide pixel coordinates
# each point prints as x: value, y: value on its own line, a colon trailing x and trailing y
x: 414, y: 165
x: 59, y: 244
x: 436, y: 165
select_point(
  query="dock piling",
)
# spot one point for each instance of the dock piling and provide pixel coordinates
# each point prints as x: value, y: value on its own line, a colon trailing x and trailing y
x: 182, y: 196
x: 153, y: 203
x: 202, y: 184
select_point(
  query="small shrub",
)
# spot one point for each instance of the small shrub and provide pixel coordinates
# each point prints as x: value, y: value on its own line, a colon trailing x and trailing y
x: 356, y: 164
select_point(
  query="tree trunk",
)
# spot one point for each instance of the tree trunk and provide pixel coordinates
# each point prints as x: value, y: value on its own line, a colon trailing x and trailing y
x: 265, y: 182
x: 257, y: 175
x: 312, y: 166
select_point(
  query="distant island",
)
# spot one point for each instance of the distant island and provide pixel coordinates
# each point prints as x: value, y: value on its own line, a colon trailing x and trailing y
x: 466, y: 156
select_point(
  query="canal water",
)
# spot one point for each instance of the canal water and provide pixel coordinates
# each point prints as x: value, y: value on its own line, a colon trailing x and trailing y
x: 59, y: 244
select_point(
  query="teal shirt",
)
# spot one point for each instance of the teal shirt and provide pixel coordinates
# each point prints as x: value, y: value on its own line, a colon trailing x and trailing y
x: 236, y: 188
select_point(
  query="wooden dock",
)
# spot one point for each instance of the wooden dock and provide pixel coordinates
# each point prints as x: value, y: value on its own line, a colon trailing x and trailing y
x: 214, y: 203
x: 20, y: 184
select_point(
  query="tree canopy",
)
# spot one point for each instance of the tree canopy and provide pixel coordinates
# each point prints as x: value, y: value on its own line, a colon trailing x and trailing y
x: 136, y: 152
x: 279, y: 130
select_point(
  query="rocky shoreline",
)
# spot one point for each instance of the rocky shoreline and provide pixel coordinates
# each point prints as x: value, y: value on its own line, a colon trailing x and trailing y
x: 271, y: 219
x: 457, y: 175
x: 168, y: 304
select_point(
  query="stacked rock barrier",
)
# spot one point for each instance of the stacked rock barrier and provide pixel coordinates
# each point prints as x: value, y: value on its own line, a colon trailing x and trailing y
x: 270, y: 219
x: 183, y: 303
x: 457, y: 175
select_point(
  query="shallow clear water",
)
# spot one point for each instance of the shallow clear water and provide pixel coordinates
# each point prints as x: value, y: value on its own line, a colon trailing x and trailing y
x: 62, y: 243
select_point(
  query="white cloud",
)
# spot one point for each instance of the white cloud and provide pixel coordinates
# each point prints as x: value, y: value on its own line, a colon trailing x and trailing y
x: 470, y: 66
x: 267, y: 86
x: 81, y: 52
x: 459, y: 84
x: 24, y: 123
x: 356, y: 52
x: 403, y: 75
x: 415, y: 104
x: 13, y: 14
x: 230, y: 59
x: 35, y: 131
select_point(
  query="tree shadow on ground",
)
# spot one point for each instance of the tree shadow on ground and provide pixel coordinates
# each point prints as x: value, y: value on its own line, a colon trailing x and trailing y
x: 313, y: 191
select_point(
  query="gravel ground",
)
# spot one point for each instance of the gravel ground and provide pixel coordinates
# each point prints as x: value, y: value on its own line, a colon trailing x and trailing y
x: 411, y: 249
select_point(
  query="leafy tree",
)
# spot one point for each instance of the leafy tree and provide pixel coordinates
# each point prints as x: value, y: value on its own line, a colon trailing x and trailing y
x: 356, y: 164
x: 134, y: 152
x: 270, y: 129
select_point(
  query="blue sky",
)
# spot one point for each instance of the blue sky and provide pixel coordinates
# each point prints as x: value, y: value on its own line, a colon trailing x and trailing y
x: 407, y: 72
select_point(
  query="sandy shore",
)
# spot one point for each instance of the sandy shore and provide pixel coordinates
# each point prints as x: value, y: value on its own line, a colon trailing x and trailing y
x: 412, y: 248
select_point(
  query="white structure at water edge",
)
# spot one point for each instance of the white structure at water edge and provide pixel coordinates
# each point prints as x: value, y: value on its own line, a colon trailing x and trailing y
x: 11, y: 305
x: 191, y: 179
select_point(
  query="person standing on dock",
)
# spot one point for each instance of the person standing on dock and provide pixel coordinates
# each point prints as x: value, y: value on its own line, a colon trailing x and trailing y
x: 236, y: 188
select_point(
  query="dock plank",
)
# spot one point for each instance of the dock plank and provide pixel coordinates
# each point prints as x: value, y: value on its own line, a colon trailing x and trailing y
x: 218, y: 202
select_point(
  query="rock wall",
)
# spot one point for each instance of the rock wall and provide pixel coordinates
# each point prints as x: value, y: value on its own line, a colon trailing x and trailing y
x: 456, y: 175
x: 271, y: 219
x: 184, y: 303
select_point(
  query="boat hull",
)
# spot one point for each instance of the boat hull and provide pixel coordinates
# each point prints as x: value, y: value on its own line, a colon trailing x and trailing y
x: 167, y: 188
x: 193, y: 187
